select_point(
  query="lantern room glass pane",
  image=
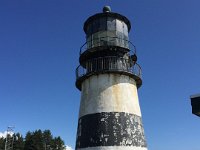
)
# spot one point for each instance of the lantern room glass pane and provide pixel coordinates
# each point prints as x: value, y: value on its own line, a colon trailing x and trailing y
x: 95, y: 38
x: 112, y: 38
x: 125, y: 29
x: 103, y: 24
x: 89, y: 41
x: 102, y: 37
x: 111, y: 24
x: 96, y: 25
x: 89, y: 29
x: 126, y: 41
x: 119, y: 25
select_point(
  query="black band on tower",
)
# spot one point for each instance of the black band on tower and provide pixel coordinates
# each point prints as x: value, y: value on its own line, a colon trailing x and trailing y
x: 110, y: 129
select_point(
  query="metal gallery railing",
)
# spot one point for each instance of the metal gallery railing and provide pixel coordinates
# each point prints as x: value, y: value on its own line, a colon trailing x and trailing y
x: 110, y: 63
x: 108, y: 41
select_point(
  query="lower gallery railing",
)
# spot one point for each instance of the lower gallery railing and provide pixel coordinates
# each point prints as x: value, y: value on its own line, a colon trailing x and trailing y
x: 110, y: 63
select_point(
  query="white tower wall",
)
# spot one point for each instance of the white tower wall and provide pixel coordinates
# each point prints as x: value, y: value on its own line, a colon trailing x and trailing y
x: 109, y: 93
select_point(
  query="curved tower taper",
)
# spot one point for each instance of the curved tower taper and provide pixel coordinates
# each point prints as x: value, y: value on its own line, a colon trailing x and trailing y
x: 108, y: 78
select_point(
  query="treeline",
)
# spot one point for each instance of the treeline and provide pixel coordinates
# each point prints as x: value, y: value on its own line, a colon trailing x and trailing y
x: 37, y: 140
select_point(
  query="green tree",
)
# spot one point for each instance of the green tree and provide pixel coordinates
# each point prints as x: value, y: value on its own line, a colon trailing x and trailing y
x: 58, y: 144
x: 36, y: 140
x: 29, y: 144
x: 48, y: 139
x: 2, y: 143
x: 18, y: 143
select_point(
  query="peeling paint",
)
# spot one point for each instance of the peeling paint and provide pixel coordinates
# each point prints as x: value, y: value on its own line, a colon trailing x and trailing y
x: 116, y: 129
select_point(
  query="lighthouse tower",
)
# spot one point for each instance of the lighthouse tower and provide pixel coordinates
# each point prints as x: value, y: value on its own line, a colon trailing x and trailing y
x: 108, y: 77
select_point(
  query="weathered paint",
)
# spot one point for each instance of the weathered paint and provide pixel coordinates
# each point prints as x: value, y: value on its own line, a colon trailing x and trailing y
x: 109, y: 93
x: 110, y: 129
x: 114, y: 148
x: 110, y: 116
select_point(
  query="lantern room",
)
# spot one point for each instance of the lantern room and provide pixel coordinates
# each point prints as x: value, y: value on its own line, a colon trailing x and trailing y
x: 107, y: 28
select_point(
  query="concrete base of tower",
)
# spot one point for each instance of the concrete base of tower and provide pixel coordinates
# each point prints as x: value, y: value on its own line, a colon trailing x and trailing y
x: 113, y: 148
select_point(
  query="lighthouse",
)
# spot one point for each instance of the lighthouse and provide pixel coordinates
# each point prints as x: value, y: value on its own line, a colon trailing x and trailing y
x: 108, y: 77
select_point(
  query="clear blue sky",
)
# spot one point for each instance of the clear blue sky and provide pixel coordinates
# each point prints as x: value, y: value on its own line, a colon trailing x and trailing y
x: 39, y: 50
